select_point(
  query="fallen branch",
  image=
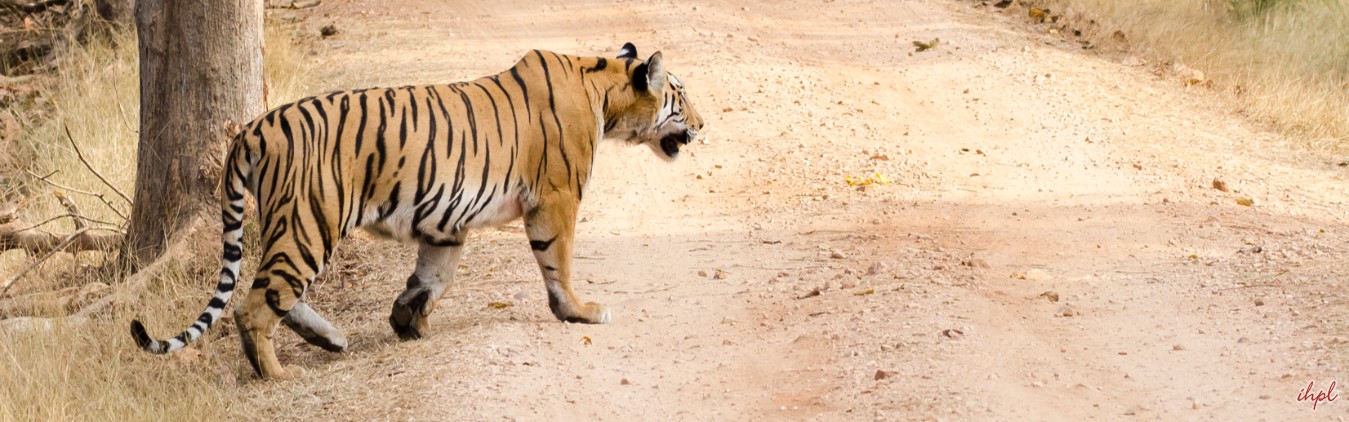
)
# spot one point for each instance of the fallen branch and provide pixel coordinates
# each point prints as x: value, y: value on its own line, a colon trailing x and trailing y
x: 80, y: 220
x: 293, y: 4
x: 31, y: 7
x: 35, y: 264
x: 72, y: 209
x: 15, y: 234
x: 35, y: 241
x: 65, y: 301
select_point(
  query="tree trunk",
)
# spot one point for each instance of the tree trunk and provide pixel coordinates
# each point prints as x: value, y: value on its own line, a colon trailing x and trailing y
x: 200, y: 68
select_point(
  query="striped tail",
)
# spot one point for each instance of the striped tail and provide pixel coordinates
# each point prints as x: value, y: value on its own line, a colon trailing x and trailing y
x: 237, y: 169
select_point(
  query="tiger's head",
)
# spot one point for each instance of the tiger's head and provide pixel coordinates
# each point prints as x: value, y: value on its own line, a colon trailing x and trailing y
x: 659, y: 115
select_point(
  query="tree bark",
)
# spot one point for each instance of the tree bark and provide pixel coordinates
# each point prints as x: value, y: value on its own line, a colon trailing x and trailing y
x: 200, y: 68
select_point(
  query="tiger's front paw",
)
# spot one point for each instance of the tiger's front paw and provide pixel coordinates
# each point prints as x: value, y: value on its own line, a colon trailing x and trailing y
x: 407, y: 317
x: 407, y: 323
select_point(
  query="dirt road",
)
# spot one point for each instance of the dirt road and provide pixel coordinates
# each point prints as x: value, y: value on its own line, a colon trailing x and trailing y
x: 1052, y: 246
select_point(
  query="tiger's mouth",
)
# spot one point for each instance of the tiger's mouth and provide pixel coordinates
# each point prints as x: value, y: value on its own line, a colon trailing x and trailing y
x: 669, y: 144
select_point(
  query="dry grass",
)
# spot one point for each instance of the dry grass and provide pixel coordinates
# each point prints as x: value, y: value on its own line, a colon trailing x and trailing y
x: 1285, y: 62
x: 90, y: 370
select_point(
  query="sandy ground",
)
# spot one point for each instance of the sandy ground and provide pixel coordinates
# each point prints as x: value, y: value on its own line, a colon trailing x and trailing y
x: 750, y: 282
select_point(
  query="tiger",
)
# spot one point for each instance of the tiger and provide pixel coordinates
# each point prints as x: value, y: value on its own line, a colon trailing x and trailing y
x: 427, y: 164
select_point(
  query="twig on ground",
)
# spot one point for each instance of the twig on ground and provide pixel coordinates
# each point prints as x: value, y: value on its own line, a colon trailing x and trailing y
x: 67, y: 242
x: 72, y: 209
x: 101, y: 197
x: 91, y: 167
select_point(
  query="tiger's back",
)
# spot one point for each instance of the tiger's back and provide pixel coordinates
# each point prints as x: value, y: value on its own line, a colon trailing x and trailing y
x: 420, y: 162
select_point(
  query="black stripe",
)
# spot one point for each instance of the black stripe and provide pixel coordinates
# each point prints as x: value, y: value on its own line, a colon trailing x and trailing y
x: 451, y: 242
x: 274, y: 302
x: 379, y: 136
x: 412, y: 100
x: 515, y: 73
x: 472, y: 119
x: 601, y: 64
x: 541, y: 245
x: 232, y: 252
x: 360, y: 129
x: 321, y: 220
x: 552, y: 107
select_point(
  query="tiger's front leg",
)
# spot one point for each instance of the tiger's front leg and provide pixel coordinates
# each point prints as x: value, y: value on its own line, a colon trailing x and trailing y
x: 551, y: 227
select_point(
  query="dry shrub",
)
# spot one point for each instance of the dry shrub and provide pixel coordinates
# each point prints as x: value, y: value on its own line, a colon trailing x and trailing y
x: 73, y: 369
x: 1285, y: 61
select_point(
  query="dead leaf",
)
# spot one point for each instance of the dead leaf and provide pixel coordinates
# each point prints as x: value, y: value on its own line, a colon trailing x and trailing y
x: 812, y: 293
x: 498, y: 305
x: 876, y: 178
x: 1220, y: 185
x: 865, y: 292
x: 719, y: 275
x: 952, y: 333
x: 586, y: 340
x: 880, y: 375
x: 1245, y: 202
x: 925, y: 46
x: 1119, y: 37
x: 1051, y: 296
x: 1065, y: 311
x: 1038, y: 15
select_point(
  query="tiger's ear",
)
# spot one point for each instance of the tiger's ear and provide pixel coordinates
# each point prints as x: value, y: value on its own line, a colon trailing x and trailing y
x: 650, y: 75
x: 628, y: 51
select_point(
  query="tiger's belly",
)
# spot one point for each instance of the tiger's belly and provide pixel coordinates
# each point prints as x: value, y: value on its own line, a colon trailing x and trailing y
x: 498, y: 211
x: 399, y: 225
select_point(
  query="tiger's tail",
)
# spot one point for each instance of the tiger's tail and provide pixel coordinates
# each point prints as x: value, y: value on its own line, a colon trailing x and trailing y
x: 237, y: 171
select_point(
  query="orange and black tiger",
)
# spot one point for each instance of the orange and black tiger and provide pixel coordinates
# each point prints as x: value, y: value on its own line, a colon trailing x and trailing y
x: 428, y: 164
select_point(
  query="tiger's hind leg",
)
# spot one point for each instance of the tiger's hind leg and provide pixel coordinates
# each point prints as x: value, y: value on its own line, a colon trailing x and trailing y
x: 267, y: 302
x: 277, y: 289
x: 313, y: 328
x: 436, y: 263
